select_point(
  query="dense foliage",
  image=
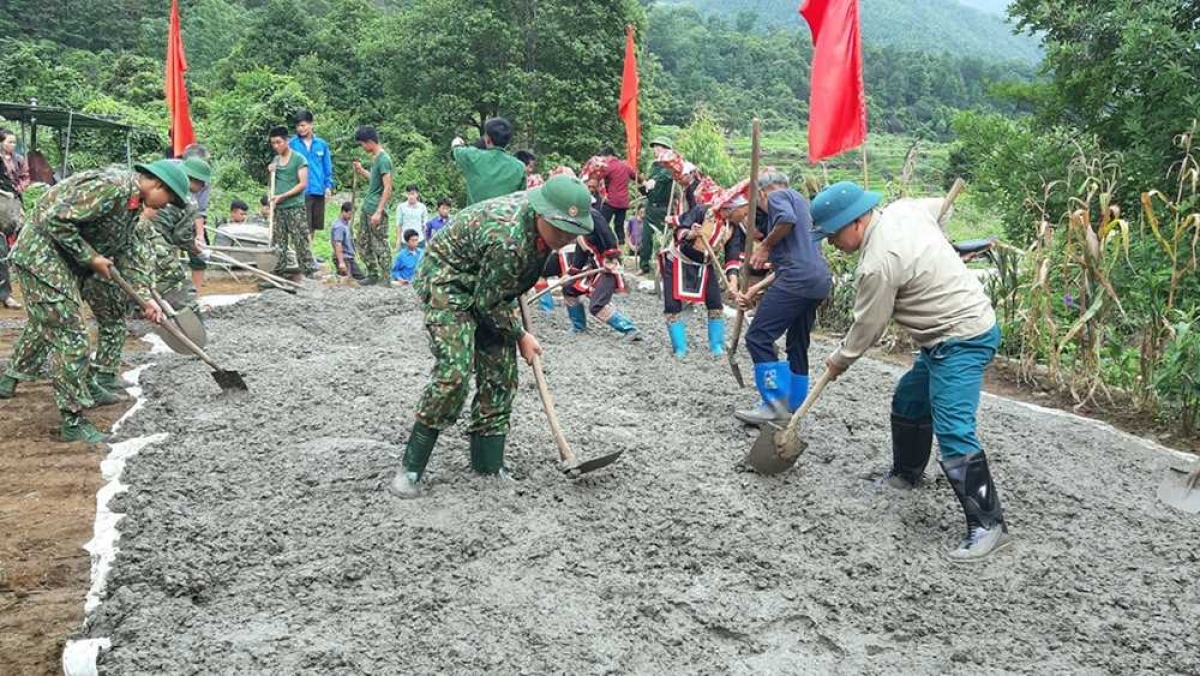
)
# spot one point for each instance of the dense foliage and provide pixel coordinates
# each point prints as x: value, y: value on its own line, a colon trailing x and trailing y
x: 933, y: 26
x: 424, y: 71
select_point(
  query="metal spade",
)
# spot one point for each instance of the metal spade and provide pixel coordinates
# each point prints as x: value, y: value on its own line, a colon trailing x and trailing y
x: 776, y: 449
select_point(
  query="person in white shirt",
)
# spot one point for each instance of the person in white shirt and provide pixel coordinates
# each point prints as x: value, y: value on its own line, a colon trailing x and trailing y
x: 411, y: 215
x: 909, y: 272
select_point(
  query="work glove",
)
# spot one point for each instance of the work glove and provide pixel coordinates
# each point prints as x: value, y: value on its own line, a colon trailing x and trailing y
x: 205, y: 254
x: 649, y: 184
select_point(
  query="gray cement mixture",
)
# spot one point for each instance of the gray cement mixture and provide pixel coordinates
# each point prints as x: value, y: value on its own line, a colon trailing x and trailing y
x: 259, y: 538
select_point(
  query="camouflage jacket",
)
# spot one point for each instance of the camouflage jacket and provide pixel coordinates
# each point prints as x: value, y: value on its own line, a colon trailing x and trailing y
x: 177, y: 225
x: 92, y: 212
x: 489, y: 254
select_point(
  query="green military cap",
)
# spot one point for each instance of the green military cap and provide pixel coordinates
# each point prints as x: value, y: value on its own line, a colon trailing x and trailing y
x: 565, y: 202
x: 198, y: 169
x: 170, y: 174
x: 662, y: 141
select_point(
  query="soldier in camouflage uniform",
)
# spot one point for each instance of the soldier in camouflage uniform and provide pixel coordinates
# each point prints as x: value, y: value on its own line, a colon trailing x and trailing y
x: 109, y: 304
x: 469, y: 280
x: 80, y: 228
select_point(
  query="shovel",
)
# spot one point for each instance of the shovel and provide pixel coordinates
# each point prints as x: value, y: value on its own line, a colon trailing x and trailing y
x: 570, y: 465
x: 1181, y: 488
x: 279, y: 282
x: 228, y: 380
x: 776, y: 449
x: 565, y: 281
x: 188, y: 322
x: 744, y: 282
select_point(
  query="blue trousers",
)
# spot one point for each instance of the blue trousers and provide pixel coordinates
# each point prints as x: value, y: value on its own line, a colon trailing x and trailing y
x: 944, y: 383
x: 778, y: 313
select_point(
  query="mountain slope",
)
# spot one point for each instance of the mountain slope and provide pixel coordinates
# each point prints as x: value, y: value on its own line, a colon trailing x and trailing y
x: 925, y: 25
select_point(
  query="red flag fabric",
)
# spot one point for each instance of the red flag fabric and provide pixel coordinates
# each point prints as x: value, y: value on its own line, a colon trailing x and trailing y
x: 837, y: 119
x: 628, y: 108
x: 182, y: 134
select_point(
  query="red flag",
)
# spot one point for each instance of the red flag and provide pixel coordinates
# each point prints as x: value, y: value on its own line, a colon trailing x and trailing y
x: 628, y: 109
x: 182, y: 134
x: 837, y: 119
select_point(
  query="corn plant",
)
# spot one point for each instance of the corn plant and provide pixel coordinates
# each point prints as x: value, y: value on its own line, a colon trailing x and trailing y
x: 1177, y: 234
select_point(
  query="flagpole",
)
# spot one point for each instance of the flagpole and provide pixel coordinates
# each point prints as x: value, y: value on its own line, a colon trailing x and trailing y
x: 866, y: 174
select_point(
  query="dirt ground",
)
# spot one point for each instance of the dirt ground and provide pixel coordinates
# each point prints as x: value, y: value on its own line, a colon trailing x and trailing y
x: 259, y: 539
x: 47, y: 513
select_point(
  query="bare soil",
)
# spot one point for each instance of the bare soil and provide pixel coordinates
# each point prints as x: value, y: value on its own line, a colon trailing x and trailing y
x: 47, y: 513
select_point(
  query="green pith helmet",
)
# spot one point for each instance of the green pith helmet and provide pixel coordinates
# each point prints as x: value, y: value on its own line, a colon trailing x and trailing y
x: 198, y: 169
x: 662, y: 141
x: 171, y: 174
x: 565, y: 202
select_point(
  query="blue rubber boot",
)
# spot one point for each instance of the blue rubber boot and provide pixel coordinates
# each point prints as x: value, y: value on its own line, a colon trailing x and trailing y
x: 546, y: 302
x: 578, y: 315
x: 716, y: 337
x: 623, y: 325
x: 678, y: 332
x: 797, y: 391
x: 773, y: 380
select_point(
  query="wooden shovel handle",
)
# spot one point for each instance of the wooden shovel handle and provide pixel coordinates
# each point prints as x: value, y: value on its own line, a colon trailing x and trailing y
x: 751, y: 226
x: 274, y: 279
x: 813, y: 395
x: 712, y: 261
x: 955, y: 190
x: 169, y: 326
x: 564, y: 281
x: 564, y: 449
x: 271, y: 202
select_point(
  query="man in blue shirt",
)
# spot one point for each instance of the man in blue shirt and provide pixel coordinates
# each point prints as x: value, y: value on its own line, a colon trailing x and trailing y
x: 320, y: 170
x: 790, y: 304
x: 443, y: 218
x: 404, y: 268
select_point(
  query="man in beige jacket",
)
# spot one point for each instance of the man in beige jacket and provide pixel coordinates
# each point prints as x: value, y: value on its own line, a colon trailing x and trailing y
x: 908, y: 272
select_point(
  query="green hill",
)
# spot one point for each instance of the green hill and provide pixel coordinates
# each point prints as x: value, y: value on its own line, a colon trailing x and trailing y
x: 926, y: 25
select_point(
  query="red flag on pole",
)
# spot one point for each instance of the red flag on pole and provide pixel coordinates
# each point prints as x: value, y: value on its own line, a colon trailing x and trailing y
x: 837, y: 119
x: 182, y: 134
x: 628, y: 108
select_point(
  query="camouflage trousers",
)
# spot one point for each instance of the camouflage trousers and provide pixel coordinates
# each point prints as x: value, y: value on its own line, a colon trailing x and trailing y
x: 374, y: 252
x: 171, y: 278
x: 291, y: 235
x: 460, y: 344
x: 54, y: 329
x: 109, y: 307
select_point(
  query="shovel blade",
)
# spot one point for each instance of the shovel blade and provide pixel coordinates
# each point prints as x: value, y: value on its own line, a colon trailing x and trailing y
x: 230, y: 380
x: 774, y: 451
x: 192, y: 326
x: 1177, y: 491
x: 594, y: 464
x: 177, y: 346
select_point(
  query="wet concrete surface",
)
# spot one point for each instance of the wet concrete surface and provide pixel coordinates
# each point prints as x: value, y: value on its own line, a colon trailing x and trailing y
x: 259, y: 538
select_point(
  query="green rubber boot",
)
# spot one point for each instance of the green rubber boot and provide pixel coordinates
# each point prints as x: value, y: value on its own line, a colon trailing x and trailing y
x: 102, y: 396
x: 8, y: 387
x: 75, y: 427
x: 421, y: 441
x: 112, y: 382
x: 487, y: 455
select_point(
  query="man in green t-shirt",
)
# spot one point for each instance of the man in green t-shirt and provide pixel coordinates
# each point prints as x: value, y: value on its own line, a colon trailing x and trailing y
x: 489, y: 170
x: 373, y: 250
x: 291, y: 222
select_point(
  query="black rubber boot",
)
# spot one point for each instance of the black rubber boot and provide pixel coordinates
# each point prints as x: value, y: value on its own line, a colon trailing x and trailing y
x: 912, y: 441
x: 972, y: 483
x: 421, y: 441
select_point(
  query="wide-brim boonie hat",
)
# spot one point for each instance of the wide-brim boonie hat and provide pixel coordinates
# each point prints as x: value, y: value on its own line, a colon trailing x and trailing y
x: 840, y: 205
